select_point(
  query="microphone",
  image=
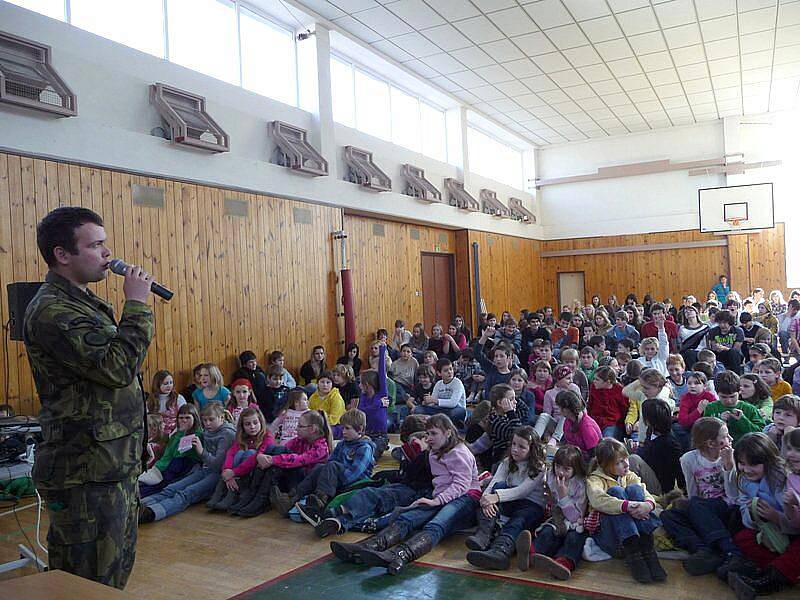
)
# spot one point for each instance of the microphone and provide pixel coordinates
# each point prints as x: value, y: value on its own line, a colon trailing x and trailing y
x: 119, y: 266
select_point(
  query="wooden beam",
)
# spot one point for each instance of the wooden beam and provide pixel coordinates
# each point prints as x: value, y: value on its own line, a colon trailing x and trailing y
x: 641, y: 248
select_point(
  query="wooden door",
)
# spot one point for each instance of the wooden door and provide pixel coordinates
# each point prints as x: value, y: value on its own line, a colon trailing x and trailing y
x: 570, y: 288
x: 438, y: 289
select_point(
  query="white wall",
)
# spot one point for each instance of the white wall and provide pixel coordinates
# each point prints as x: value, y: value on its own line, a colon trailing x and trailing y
x: 626, y: 205
x: 115, y: 118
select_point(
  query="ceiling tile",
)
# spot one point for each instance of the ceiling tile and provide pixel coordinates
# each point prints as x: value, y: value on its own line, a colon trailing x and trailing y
x: 701, y: 98
x: 479, y: 29
x: 512, y: 88
x: 723, y: 66
x: 786, y: 70
x: 627, y: 113
x: 787, y: 54
x: 534, y: 43
x: 444, y: 63
x: 580, y: 118
x: 446, y: 37
x: 513, y: 21
x: 625, y: 67
x: 579, y: 92
x: 567, y: 36
x: 614, y: 49
x: 580, y: 57
x: 392, y: 51
x: 415, y: 44
x: 355, y: 5
x: 602, y: 29
x: 677, y: 12
x: 586, y: 9
x: 589, y: 104
x: 416, y: 13
x: 567, y: 108
x: 756, y: 75
x: 502, y: 51
x: 358, y: 29
x: 473, y: 57
x: 789, y: 14
x: 755, y: 42
x: 595, y: 73
x: 688, y: 55
x: 758, y: 20
x: 325, y: 8
x: 491, y: 5
x: 642, y: 95
x: 552, y: 62
x: 634, y: 82
x: 656, y: 61
x: 718, y: 29
x: 494, y: 73
x: 695, y: 71
x: 663, y: 77
x: 453, y: 10
x: 615, y: 99
x: 717, y: 8
x: 384, y: 22
x: 648, y: 106
x: 609, y: 86
x: 445, y: 84
x: 730, y: 81
x: 421, y: 68
x: 787, y: 36
x: 487, y: 92
x: 543, y: 111
x: 634, y: 22
x: 556, y: 122
x: 466, y: 79
x: 669, y: 91
x: 722, y: 48
x: 522, y: 68
x: 539, y: 83
x: 697, y: 85
x: 548, y: 13
x: 685, y: 35
x: 529, y: 100
x: 646, y: 43
x: 466, y: 96
x: 748, y: 5
x: 757, y: 60
x: 566, y: 78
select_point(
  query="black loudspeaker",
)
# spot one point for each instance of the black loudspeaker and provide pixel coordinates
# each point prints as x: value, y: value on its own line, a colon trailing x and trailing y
x: 20, y: 295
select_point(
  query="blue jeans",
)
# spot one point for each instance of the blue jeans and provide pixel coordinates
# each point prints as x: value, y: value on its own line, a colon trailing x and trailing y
x: 613, y: 431
x: 568, y: 546
x: 177, y: 497
x: 376, y: 502
x: 442, y: 521
x: 522, y: 514
x: 457, y: 414
x: 614, y: 529
x: 683, y: 436
x: 701, y: 525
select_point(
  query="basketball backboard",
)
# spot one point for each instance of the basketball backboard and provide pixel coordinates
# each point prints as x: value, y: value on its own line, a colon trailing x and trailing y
x: 736, y: 208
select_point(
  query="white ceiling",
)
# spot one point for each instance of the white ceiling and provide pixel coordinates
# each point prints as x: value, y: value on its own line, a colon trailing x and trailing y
x: 565, y: 70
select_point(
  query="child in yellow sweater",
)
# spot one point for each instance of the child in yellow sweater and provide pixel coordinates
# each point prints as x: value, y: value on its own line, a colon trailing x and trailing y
x: 627, y: 517
x: 327, y: 399
x: 651, y: 384
x: 770, y: 371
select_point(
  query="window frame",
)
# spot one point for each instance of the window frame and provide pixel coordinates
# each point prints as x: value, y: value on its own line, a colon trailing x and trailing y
x: 521, y: 183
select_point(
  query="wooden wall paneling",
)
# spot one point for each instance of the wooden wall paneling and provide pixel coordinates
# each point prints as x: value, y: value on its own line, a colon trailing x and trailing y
x: 464, y: 290
x: 10, y: 389
x: 19, y: 251
x: 768, y: 259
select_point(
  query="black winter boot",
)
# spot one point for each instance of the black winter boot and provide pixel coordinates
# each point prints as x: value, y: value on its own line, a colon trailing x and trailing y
x: 398, y: 557
x: 736, y: 563
x: 635, y: 561
x: 703, y: 562
x: 496, y: 558
x: 384, y: 539
x: 280, y: 501
x: 657, y: 572
x: 218, y: 495
x: 481, y: 539
x: 747, y: 588
x: 250, y: 489
x: 230, y: 498
x: 259, y: 502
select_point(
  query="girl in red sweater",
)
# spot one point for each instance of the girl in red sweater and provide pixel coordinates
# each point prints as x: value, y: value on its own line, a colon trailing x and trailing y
x: 607, y: 405
x: 252, y: 438
x: 694, y: 401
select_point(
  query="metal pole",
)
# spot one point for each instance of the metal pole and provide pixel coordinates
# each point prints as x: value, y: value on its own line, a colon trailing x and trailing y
x: 477, y: 274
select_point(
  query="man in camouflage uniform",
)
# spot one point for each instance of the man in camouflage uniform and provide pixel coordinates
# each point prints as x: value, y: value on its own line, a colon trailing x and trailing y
x: 85, y: 366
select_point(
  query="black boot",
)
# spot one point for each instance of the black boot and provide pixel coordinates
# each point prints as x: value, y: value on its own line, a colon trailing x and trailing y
x: 259, y: 503
x: 736, y: 563
x: 146, y: 515
x: 657, y: 572
x: 228, y: 500
x: 524, y: 543
x: 250, y: 490
x: 747, y: 588
x: 398, y: 557
x: 635, y: 561
x: 385, y: 538
x: 280, y: 501
x: 703, y: 562
x: 218, y: 495
x: 496, y: 558
x: 482, y: 538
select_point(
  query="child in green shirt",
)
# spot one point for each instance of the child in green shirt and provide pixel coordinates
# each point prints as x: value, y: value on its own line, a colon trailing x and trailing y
x: 741, y: 417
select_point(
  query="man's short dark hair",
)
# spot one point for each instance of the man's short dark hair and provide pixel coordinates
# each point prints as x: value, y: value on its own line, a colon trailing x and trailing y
x: 727, y: 382
x: 58, y: 229
x: 724, y: 316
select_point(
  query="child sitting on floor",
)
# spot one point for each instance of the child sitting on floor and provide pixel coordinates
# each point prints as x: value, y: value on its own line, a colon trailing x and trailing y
x: 284, y: 427
x: 241, y: 398
x: 327, y: 399
x: 580, y: 429
x: 607, y: 405
x: 785, y: 415
x: 740, y: 417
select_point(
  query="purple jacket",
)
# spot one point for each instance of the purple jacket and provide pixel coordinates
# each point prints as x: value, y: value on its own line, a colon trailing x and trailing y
x: 377, y: 413
x: 454, y: 475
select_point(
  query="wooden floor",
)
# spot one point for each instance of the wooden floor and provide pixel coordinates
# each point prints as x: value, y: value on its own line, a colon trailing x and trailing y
x: 214, y: 556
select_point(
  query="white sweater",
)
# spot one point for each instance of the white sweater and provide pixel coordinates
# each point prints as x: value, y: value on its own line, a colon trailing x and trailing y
x: 520, y: 485
x: 450, y: 395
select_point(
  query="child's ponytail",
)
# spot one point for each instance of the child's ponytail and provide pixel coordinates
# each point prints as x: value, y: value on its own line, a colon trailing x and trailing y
x: 326, y: 431
x: 318, y: 419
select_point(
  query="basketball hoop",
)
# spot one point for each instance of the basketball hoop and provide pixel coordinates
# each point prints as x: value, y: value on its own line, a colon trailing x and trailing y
x: 734, y: 223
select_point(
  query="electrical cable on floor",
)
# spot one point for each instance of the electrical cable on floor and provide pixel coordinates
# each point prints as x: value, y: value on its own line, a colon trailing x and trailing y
x: 13, y: 506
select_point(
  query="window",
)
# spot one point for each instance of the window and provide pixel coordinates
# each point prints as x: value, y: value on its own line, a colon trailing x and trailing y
x: 372, y: 106
x: 342, y: 89
x: 434, y: 132
x: 405, y: 120
x: 493, y: 159
x: 202, y: 36
x: 137, y: 24
x: 268, y: 58
x: 49, y: 8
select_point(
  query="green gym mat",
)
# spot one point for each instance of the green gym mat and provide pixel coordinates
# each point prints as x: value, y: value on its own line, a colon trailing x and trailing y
x: 328, y: 578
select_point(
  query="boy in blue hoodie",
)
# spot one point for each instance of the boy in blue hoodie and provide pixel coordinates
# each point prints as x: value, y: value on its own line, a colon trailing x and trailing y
x: 351, y: 460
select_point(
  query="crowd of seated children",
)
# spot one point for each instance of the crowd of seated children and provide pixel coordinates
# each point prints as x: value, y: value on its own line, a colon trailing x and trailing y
x: 617, y: 395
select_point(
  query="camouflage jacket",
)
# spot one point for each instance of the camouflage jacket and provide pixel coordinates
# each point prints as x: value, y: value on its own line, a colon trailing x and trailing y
x: 85, y: 367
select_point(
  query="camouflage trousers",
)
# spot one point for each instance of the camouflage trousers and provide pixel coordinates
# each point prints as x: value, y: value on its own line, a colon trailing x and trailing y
x: 93, y: 529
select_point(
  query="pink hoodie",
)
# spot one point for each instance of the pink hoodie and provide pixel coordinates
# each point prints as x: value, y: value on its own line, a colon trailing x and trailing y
x: 454, y: 475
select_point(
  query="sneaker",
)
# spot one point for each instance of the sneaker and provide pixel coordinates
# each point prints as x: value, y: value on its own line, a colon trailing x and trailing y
x: 328, y: 527
x: 146, y: 515
x: 558, y: 568
x: 702, y: 562
x: 310, y: 513
x: 397, y: 454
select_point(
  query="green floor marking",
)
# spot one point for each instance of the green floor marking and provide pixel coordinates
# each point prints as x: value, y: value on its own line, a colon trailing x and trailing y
x: 331, y: 579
